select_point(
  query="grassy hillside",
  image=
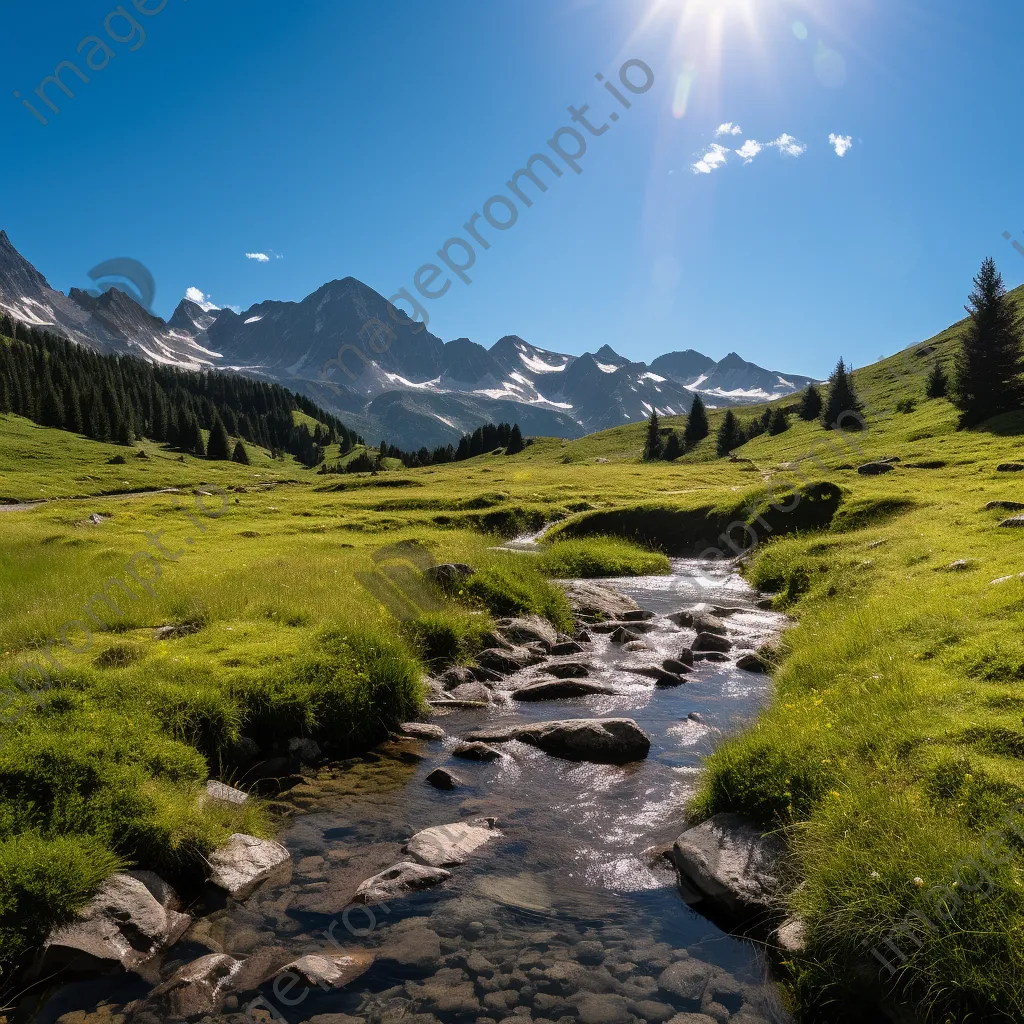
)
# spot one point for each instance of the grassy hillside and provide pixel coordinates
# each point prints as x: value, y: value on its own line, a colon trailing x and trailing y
x: 893, y: 745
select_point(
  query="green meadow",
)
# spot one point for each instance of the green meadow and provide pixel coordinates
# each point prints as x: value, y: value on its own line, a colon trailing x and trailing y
x: 893, y: 745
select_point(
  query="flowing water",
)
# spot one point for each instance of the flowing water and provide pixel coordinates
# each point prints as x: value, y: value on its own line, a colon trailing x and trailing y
x: 565, y: 915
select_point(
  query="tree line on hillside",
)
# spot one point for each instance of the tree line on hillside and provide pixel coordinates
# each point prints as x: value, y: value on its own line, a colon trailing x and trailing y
x: 56, y: 383
x: 987, y: 380
x: 487, y: 438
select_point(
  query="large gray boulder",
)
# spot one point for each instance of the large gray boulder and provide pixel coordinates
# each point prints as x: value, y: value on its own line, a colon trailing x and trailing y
x: 596, y: 600
x: 600, y: 740
x: 731, y: 867
x: 125, y: 924
x: 422, y: 730
x: 399, y: 880
x: 246, y: 862
x: 197, y: 988
x: 444, y: 845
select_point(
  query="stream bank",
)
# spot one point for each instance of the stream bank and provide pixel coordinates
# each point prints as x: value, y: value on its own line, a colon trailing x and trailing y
x: 567, y: 912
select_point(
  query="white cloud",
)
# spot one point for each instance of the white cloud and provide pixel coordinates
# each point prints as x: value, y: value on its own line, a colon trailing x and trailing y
x: 259, y: 257
x: 200, y: 299
x: 714, y: 158
x: 841, y: 143
x: 749, y: 150
x: 788, y: 146
x: 728, y: 129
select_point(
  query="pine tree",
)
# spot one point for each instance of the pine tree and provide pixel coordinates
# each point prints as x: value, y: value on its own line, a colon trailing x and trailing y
x: 842, y: 408
x: 196, y: 445
x: 652, y: 444
x: 51, y: 411
x: 673, y: 449
x: 779, y: 422
x: 218, y: 447
x: 729, y: 434
x: 240, y: 455
x: 987, y: 378
x: 123, y: 431
x: 5, y: 395
x: 72, y: 409
x: 696, y: 428
x: 937, y: 384
x: 810, y: 404
x: 515, y: 441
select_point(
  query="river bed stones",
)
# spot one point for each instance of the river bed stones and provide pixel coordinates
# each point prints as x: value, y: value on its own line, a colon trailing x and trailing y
x: 731, y: 866
x: 622, y: 635
x: 446, y: 845
x: 325, y: 971
x: 600, y: 740
x: 246, y: 862
x: 399, y: 880
x: 473, y: 750
x: 711, y: 642
x: 477, y: 693
x: 441, y: 778
x: 754, y: 661
x: 678, y: 666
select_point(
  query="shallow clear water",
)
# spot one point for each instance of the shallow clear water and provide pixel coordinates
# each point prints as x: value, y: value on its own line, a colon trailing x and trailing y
x: 570, y: 877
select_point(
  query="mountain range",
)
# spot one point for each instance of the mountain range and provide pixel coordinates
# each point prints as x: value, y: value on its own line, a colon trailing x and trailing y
x: 407, y: 386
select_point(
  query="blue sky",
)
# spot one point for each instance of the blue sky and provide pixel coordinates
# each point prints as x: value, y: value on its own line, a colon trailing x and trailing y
x: 342, y: 139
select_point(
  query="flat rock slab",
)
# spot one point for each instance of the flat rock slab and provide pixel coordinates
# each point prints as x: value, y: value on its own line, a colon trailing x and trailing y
x: 1010, y: 467
x: 197, y: 988
x: 599, y: 740
x: 124, y: 924
x: 875, y: 468
x: 597, y: 599
x: 1013, y: 521
x: 446, y: 845
x: 560, y: 689
x: 399, y: 880
x: 327, y: 970
x: 422, y: 730
x: 1008, y: 506
x: 246, y: 862
x: 730, y: 864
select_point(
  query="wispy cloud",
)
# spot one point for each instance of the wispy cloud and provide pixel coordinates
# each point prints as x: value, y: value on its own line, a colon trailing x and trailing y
x: 728, y: 129
x: 842, y: 144
x: 714, y: 158
x: 201, y: 299
x: 788, y: 146
x: 749, y: 150
x: 259, y: 257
